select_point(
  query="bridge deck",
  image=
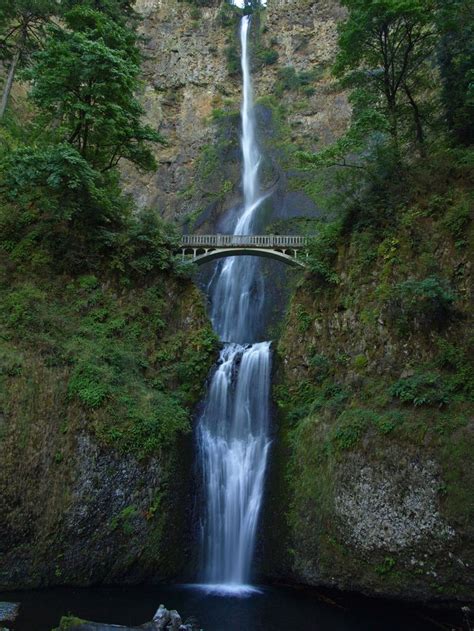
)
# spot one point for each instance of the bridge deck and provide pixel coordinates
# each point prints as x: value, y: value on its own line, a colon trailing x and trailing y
x: 253, y: 241
x: 208, y: 247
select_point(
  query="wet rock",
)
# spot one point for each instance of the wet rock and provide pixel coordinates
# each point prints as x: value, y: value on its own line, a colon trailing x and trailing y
x: 391, y: 505
x: 175, y: 621
x: 163, y: 620
x: 8, y: 611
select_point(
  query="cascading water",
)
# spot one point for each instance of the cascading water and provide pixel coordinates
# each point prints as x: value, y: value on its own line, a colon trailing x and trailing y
x: 233, y: 432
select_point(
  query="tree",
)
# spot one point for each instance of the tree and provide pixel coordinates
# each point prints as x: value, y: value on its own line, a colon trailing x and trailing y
x: 84, y: 82
x: 22, y: 28
x: 120, y: 11
x: 385, y: 47
x: 456, y: 59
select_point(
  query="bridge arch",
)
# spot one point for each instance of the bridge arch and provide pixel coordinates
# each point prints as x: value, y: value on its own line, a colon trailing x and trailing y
x: 204, y: 248
x: 201, y: 256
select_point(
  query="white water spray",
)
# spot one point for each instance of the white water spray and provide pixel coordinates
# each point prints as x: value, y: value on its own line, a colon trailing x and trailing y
x: 233, y: 429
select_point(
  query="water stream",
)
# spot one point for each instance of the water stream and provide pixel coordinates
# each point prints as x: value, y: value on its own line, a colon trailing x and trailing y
x: 233, y: 434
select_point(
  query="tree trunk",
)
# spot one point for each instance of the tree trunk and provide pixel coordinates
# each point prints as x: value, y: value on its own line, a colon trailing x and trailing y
x: 420, y: 137
x: 9, y: 82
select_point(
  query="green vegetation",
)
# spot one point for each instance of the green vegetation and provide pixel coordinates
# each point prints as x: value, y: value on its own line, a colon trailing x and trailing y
x: 22, y: 29
x: 88, y: 282
x: 376, y: 355
x: 267, y: 56
x: 61, y: 204
x: 427, y: 302
x: 124, y: 520
x: 322, y: 251
x: 68, y: 622
x: 289, y: 80
x: 137, y: 376
x: 217, y: 171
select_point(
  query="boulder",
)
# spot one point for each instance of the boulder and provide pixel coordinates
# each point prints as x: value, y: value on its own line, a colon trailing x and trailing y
x: 8, y: 611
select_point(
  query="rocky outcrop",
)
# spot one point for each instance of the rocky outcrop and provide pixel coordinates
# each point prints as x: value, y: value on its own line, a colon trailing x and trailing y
x: 372, y: 463
x: 191, y: 87
x: 8, y: 611
x: 101, y: 494
x: 163, y: 620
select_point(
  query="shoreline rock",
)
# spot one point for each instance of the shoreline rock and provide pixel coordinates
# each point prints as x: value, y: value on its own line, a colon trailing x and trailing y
x: 8, y: 611
x: 163, y: 620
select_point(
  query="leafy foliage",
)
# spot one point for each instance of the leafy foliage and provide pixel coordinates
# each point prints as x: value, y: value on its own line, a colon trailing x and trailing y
x: 322, y: 251
x: 456, y: 59
x: 292, y: 81
x: 135, y: 376
x: 84, y: 81
x: 61, y: 202
x: 385, y: 50
x: 88, y: 281
x: 424, y: 303
x: 22, y: 30
x: 421, y: 389
x: 267, y: 56
x: 449, y: 378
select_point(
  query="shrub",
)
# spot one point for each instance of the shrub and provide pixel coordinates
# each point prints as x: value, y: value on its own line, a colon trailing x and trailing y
x: 291, y: 81
x: 427, y: 303
x: 456, y: 220
x: 308, y: 397
x: 228, y: 14
x: 233, y: 59
x: 360, y: 362
x: 350, y: 427
x: 422, y: 388
x: 267, y: 56
x: 304, y: 319
x: 88, y: 383
x: 322, y: 251
x: 319, y: 366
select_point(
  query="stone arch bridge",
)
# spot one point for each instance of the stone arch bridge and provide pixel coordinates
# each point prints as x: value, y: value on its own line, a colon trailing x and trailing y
x: 201, y: 248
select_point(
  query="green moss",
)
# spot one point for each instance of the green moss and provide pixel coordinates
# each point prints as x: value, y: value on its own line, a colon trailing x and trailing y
x: 360, y: 362
x: 69, y: 622
x: 124, y: 520
x: 457, y: 218
x: 386, y: 566
x: 137, y: 377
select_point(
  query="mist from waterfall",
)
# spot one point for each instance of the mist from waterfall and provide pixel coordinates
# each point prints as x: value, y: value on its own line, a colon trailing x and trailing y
x: 233, y: 431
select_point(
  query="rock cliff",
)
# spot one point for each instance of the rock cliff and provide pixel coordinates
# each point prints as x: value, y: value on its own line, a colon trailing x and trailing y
x: 95, y: 485
x: 374, y: 392
x: 192, y: 94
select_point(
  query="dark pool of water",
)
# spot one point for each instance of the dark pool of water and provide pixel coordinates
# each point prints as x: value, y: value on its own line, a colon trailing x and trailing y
x: 273, y: 609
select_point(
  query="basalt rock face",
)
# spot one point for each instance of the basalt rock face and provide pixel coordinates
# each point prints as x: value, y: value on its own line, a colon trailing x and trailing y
x: 192, y: 95
x: 79, y: 505
x: 373, y: 464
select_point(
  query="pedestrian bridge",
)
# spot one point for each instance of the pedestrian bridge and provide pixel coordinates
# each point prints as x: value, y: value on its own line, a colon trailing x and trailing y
x: 201, y: 248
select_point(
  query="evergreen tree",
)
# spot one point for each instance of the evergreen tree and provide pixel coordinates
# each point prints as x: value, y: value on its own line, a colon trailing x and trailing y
x: 22, y: 30
x: 84, y: 82
x: 456, y: 58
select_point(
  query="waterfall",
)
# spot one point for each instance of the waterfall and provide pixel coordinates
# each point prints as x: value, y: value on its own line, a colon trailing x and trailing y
x: 233, y: 431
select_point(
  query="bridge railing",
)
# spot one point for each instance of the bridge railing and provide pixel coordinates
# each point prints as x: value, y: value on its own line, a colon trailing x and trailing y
x: 229, y: 240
